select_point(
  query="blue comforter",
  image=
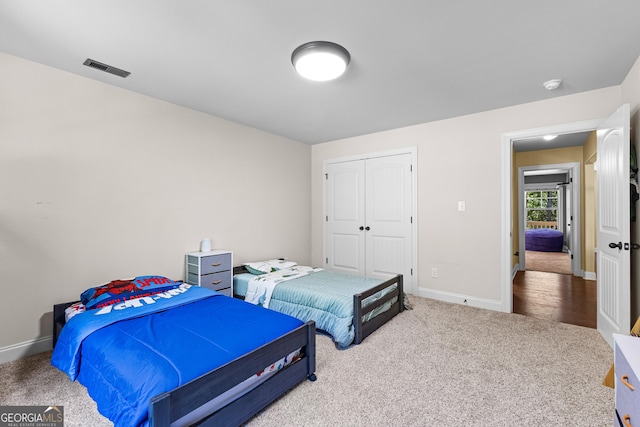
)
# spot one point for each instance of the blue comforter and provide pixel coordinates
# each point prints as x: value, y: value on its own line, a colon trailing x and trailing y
x: 133, y: 351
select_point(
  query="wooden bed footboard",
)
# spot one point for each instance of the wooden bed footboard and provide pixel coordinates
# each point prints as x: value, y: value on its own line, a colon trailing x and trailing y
x: 169, y: 407
x: 364, y: 329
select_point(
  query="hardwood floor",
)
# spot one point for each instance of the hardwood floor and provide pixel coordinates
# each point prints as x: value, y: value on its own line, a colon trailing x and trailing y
x: 559, y: 297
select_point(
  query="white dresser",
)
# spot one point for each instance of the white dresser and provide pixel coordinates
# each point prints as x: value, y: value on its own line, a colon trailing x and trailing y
x: 211, y: 269
x: 626, y: 360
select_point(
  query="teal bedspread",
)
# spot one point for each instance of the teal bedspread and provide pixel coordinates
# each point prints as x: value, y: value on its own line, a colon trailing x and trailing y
x: 325, y: 297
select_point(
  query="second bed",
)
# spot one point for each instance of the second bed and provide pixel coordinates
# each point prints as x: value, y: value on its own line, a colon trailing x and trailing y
x: 349, y: 308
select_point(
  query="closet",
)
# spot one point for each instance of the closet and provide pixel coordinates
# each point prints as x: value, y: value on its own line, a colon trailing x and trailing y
x: 369, y: 223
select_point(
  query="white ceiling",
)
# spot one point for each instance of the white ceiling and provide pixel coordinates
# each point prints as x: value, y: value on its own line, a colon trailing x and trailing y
x: 561, y: 141
x: 412, y: 61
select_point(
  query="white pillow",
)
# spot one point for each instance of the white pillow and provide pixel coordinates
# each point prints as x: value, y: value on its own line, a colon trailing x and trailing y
x: 262, y: 267
x: 280, y: 264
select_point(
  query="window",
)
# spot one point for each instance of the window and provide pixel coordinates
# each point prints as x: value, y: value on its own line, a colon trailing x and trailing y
x: 542, y: 208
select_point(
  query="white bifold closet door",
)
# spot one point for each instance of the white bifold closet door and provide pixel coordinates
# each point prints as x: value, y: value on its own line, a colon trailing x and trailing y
x: 368, y: 216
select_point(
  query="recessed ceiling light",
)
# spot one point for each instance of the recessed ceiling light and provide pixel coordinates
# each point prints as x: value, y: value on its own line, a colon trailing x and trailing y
x: 549, y: 137
x: 320, y: 60
x: 552, y: 84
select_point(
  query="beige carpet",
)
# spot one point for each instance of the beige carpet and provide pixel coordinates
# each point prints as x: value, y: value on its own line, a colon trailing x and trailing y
x: 439, y: 364
x: 552, y: 262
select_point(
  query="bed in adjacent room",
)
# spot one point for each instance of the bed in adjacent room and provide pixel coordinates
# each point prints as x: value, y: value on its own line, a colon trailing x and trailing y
x: 543, y: 240
x: 348, y: 308
x: 176, y: 354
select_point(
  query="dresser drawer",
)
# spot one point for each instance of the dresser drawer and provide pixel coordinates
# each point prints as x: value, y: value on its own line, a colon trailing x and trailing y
x: 627, y: 399
x: 215, y: 281
x: 215, y: 263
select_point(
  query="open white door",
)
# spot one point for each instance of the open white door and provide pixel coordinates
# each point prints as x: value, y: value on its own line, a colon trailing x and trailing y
x: 613, y: 225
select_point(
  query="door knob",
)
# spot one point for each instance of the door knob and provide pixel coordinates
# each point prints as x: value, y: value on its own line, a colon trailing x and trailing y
x: 367, y: 228
x: 615, y: 245
x: 361, y: 228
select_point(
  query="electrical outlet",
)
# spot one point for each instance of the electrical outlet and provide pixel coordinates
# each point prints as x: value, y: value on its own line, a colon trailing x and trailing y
x: 434, y: 272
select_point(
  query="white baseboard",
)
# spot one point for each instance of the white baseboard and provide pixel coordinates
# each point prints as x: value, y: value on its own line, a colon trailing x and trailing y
x: 26, y: 348
x: 460, y: 299
x: 589, y: 275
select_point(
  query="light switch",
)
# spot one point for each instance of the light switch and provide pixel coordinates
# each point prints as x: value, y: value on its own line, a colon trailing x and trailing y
x: 462, y: 206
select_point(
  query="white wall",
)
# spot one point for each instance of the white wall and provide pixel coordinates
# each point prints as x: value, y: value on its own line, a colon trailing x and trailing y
x: 460, y: 160
x: 98, y: 183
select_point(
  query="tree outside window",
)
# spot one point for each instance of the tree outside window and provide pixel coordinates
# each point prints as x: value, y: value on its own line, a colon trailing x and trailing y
x: 542, y: 205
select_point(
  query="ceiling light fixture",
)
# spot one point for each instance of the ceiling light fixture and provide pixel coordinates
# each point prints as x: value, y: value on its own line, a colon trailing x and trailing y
x: 552, y: 84
x: 320, y: 60
x: 549, y: 137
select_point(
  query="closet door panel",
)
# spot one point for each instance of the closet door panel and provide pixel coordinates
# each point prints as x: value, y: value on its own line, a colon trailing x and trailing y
x: 344, y: 244
x: 388, y: 216
x: 387, y: 256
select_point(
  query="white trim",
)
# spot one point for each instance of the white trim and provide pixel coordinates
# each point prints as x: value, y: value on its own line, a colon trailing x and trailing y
x: 506, y: 250
x: 439, y: 295
x: 26, y: 348
x: 407, y: 150
x: 589, y: 275
x: 412, y: 282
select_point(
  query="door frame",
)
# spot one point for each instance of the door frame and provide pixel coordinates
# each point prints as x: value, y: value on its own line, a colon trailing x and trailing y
x: 506, y: 201
x: 576, y: 239
x: 409, y: 283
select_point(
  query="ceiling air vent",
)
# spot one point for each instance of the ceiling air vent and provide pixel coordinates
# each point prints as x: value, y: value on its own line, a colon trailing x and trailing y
x: 106, y: 68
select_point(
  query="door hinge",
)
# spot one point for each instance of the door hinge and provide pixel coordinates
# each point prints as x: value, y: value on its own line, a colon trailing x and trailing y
x: 326, y: 218
x: 410, y: 168
x: 326, y: 176
x: 326, y: 261
x: 411, y: 220
x: 412, y: 271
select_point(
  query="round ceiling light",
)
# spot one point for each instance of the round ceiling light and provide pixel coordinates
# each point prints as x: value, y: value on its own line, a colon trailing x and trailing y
x: 320, y: 61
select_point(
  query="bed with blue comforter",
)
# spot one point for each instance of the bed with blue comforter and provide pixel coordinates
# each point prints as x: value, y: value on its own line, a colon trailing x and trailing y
x: 348, y: 308
x: 155, y: 359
